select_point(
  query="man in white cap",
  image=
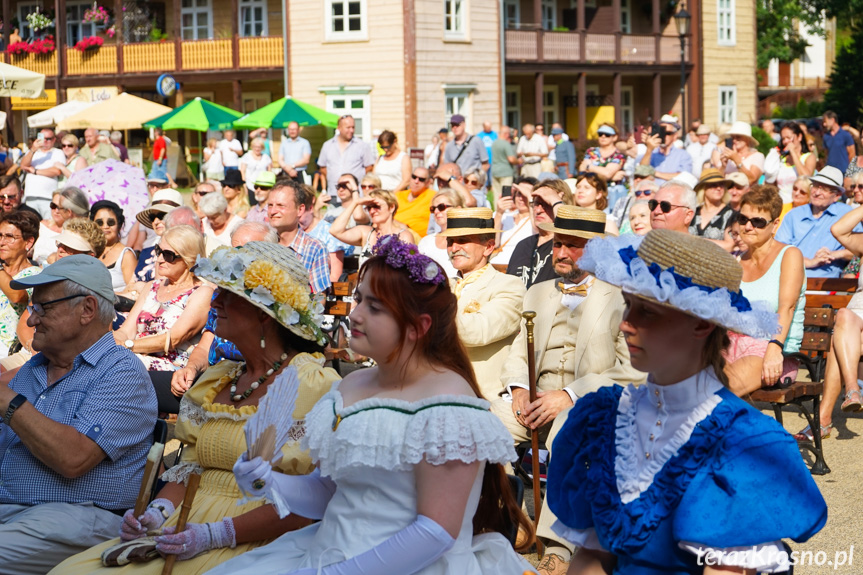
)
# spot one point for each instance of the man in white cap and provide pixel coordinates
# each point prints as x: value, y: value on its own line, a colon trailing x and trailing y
x: 72, y: 448
x: 489, y: 302
x: 701, y: 149
x: 579, y: 348
x: 808, y: 227
x: 667, y: 159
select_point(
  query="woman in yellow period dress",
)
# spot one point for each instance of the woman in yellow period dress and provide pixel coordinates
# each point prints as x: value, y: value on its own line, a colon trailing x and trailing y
x: 211, y: 418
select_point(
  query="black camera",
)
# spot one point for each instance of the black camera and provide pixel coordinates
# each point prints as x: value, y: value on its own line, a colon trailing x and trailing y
x: 658, y: 130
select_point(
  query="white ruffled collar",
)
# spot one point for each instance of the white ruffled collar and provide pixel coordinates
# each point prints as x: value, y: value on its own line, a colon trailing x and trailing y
x: 395, y: 434
x: 696, y: 395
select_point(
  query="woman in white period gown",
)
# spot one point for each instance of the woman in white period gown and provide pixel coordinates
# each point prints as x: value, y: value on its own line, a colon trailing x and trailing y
x: 402, y: 448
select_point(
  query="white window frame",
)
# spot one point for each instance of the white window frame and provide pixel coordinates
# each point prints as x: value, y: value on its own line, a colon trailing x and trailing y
x: 514, y: 108
x: 587, y: 3
x: 511, y: 14
x: 625, y: 16
x: 550, y: 112
x: 627, y: 110
x: 247, y: 7
x: 549, y: 14
x: 725, y: 22
x: 195, y: 11
x: 464, y: 94
x: 727, y: 105
x: 24, y: 26
x: 345, y: 35
x: 73, y: 21
x: 455, y: 19
x: 334, y: 94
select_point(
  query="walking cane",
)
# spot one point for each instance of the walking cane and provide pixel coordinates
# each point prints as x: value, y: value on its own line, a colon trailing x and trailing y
x: 188, y: 498
x: 534, y: 437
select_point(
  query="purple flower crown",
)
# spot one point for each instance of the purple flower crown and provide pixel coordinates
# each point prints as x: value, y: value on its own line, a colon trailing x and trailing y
x: 398, y: 254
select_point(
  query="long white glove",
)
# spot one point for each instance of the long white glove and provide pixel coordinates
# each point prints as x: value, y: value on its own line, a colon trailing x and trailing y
x: 304, y: 495
x: 410, y: 550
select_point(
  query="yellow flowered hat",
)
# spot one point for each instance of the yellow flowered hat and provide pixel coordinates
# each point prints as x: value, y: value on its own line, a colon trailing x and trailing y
x: 271, y: 277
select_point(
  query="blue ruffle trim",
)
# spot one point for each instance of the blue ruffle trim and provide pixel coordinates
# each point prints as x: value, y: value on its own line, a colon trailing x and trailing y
x: 582, y: 486
x: 628, y: 254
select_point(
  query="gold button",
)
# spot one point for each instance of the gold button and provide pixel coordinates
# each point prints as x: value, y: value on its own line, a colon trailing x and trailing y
x: 656, y: 392
x: 647, y: 455
x: 659, y: 423
x: 651, y: 437
x: 658, y: 404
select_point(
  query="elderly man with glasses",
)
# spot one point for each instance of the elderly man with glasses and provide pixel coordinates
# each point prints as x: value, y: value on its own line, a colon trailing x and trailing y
x: 807, y: 227
x: 10, y: 195
x: 41, y: 173
x: 672, y: 207
x: 72, y: 449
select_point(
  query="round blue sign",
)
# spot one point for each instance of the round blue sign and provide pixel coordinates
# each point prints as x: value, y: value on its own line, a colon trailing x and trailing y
x: 166, y: 85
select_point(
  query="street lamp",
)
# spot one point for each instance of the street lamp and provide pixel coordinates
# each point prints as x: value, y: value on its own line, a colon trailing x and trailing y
x: 683, y: 21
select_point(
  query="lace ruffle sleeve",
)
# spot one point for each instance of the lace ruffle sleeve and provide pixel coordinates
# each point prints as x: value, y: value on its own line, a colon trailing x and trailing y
x: 396, y: 435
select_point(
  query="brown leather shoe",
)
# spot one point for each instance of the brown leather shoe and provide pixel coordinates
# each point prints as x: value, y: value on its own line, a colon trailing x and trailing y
x: 552, y: 564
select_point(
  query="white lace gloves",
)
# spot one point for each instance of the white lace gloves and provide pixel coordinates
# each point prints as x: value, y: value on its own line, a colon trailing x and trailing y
x: 197, y: 538
x: 304, y: 495
x: 410, y: 550
x: 153, y: 518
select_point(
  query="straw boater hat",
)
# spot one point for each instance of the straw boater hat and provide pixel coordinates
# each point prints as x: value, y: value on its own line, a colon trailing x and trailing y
x: 711, y: 177
x: 743, y: 130
x: 579, y: 222
x: 163, y: 202
x: 469, y: 221
x: 271, y: 277
x: 683, y: 272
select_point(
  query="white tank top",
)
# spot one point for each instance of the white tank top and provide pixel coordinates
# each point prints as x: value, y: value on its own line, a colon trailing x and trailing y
x: 390, y: 172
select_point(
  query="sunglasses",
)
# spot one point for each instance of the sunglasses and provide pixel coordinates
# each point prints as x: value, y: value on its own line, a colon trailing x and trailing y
x: 68, y: 145
x: 202, y: 194
x: 167, y: 255
x: 417, y: 178
x: 367, y: 186
x: 540, y: 203
x: 110, y: 222
x: 757, y: 223
x: 54, y: 206
x: 855, y: 186
x: 664, y: 206
x: 801, y: 190
x: 472, y: 182
x: 5, y: 197
x: 639, y: 193
x: 439, y: 208
x: 342, y: 186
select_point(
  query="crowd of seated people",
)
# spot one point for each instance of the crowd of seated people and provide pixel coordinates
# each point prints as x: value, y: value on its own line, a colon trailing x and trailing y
x: 207, y: 299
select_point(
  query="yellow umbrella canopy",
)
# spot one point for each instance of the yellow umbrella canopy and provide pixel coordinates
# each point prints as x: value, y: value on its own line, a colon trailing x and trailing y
x: 122, y: 112
x: 20, y: 83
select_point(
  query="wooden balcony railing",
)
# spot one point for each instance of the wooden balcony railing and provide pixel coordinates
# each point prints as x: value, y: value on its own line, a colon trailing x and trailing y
x: 158, y: 57
x: 545, y: 46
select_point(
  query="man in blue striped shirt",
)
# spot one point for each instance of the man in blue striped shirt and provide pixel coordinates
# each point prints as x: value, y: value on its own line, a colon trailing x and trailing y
x: 77, y: 424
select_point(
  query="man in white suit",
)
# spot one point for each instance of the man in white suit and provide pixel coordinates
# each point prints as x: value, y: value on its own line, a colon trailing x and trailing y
x: 578, y: 347
x: 489, y: 302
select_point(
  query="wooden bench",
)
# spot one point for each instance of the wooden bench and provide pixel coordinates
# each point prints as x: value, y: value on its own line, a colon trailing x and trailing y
x: 824, y: 296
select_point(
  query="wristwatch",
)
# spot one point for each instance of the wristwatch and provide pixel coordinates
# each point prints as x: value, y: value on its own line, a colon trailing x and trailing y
x: 16, y: 402
x: 129, y: 343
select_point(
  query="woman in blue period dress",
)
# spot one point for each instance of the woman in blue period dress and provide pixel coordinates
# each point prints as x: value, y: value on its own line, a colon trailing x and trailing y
x: 678, y: 476
x: 408, y: 478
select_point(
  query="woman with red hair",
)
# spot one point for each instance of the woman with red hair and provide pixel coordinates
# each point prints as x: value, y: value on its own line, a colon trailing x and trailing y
x: 409, y: 477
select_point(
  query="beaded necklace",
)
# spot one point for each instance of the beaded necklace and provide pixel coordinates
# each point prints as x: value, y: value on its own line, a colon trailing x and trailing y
x: 255, y: 384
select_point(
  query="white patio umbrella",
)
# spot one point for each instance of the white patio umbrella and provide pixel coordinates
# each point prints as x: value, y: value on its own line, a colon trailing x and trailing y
x: 53, y: 116
x: 20, y: 83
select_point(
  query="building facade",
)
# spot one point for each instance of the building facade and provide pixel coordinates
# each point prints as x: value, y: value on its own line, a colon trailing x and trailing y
x: 407, y: 65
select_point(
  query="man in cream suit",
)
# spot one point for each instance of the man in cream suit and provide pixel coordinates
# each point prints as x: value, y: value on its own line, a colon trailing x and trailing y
x: 578, y: 346
x: 489, y: 302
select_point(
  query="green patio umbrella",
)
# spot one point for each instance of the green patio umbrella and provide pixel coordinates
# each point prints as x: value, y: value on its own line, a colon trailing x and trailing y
x: 284, y: 111
x: 199, y: 115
